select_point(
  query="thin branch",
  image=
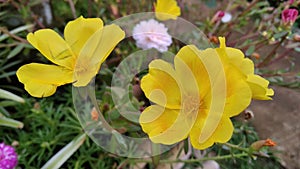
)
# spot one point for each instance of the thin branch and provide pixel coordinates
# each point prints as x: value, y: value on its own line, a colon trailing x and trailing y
x: 72, y: 6
x: 272, y: 53
x: 4, y: 30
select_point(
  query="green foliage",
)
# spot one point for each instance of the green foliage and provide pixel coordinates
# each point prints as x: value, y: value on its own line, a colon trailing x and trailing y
x: 244, y: 135
x: 49, y: 125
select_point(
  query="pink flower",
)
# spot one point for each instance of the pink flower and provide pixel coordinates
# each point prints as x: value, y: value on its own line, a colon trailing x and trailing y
x: 289, y: 16
x: 152, y: 34
x: 8, y: 157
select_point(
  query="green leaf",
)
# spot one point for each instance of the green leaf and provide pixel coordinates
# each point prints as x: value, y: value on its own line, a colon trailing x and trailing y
x: 8, y: 95
x: 15, y: 31
x: 119, y: 138
x: 250, y: 50
x: 4, y: 121
x: 7, y: 103
x: 16, y: 51
x: 280, y: 34
x: 64, y: 154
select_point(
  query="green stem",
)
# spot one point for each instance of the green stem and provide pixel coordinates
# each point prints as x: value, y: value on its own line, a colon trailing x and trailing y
x: 236, y: 147
x: 281, y: 56
x: 248, y: 8
x: 156, y: 158
x: 193, y: 160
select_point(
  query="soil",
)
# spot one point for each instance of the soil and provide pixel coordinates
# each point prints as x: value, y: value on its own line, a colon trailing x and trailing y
x: 279, y: 119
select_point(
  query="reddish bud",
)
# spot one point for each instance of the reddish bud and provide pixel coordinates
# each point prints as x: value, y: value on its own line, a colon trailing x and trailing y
x: 289, y: 16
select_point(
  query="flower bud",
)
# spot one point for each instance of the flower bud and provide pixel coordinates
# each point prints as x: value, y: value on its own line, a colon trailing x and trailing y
x: 214, y: 40
x: 94, y: 114
x: 289, y: 16
x: 261, y: 143
x: 217, y: 17
x: 256, y: 55
x: 296, y: 38
x: 248, y: 115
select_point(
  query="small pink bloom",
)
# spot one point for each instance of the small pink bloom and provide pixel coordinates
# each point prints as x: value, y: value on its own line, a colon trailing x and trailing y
x: 289, y: 16
x: 152, y: 34
x: 8, y: 157
x: 291, y: 2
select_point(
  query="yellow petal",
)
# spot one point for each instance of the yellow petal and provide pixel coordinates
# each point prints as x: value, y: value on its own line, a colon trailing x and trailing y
x: 259, y: 87
x: 53, y: 47
x: 208, y: 71
x: 41, y: 80
x: 235, y: 57
x: 94, y: 53
x: 166, y: 9
x: 191, y: 71
x: 238, y: 92
x: 161, y: 86
x: 166, y: 126
x: 222, y: 133
x: 40, y: 90
x: 77, y: 32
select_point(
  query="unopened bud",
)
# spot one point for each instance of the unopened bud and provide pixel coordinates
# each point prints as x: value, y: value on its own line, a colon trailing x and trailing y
x: 122, y: 130
x: 137, y: 91
x: 214, y: 40
x: 256, y: 55
x: 15, y: 143
x: 289, y: 16
x: 261, y: 143
x: 296, y: 38
x: 248, y: 114
x: 37, y: 106
x: 94, y: 114
x: 264, y: 33
x: 217, y: 17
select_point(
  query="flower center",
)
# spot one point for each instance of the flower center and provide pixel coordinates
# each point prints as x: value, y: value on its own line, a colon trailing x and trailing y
x: 191, y: 104
x: 80, y: 68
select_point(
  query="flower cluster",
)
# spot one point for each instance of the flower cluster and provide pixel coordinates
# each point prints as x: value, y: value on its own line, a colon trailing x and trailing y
x: 197, y: 97
x: 8, y: 157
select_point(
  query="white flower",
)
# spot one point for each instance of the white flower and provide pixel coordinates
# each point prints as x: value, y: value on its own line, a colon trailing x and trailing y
x: 226, y: 18
x: 152, y: 34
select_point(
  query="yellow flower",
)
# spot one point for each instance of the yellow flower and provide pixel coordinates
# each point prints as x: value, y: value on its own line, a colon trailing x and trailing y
x: 236, y: 58
x: 77, y: 57
x: 166, y: 9
x: 196, y: 98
